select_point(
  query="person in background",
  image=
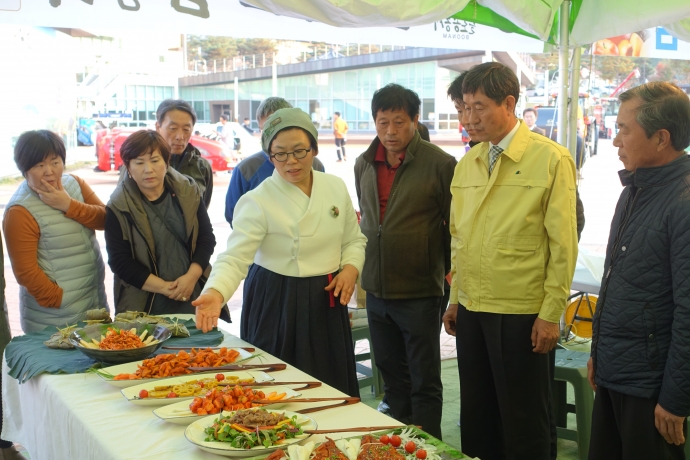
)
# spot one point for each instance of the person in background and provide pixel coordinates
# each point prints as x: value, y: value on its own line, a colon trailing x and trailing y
x: 298, y: 231
x: 254, y: 169
x: 407, y: 254
x: 49, y: 226
x: 529, y: 116
x: 175, y: 120
x: 157, y: 232
x: 641, y: 333
x: 7, y: 449
x: 514, y: 253
x: 340, y: 133
x: 247, y: 125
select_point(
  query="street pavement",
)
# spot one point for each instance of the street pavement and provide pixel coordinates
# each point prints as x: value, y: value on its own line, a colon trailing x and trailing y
x: 599, y: 190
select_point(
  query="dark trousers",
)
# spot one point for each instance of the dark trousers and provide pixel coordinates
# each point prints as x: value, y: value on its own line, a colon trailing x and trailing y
x: 505, y: 388
x: 404, y: 336
x: 623, y: 429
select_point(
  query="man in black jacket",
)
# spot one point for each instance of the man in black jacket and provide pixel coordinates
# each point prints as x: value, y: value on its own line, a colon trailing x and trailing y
x: 403, y: 186
x: 640, y: 364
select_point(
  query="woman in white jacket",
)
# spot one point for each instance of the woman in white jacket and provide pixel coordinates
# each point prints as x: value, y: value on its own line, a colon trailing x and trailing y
x: 300, y: 232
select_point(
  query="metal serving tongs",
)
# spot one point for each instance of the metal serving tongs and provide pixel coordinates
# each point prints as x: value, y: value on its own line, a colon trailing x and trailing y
x: 242, y: 367
x: 357, y: 429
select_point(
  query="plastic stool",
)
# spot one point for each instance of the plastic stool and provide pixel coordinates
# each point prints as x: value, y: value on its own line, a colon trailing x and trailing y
x: 571, y: 367
x: 372, y: 377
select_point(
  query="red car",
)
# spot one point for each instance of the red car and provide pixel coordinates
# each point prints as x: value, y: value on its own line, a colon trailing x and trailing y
x: 108, y: 143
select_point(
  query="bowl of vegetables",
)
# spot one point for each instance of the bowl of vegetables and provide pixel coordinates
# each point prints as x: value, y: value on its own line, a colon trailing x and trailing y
x: 118, y: 343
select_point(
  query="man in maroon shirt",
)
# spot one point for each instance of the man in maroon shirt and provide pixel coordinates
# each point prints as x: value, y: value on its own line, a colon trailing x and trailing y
x: 403, y: 187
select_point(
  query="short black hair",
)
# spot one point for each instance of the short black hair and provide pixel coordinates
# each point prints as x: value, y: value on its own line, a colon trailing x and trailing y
x: 174, y: 104
x: 336, y: 113
x: 34, y: 147
x: 495, y: 79
x: 246, y: 118
x: 141, y: 143
x: 395, y: 97
x: 224, y: 117
x: 529, y: 109
x: 455, y: 88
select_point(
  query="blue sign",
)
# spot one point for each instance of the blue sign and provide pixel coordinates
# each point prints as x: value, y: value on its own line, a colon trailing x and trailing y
x: 665, y: 41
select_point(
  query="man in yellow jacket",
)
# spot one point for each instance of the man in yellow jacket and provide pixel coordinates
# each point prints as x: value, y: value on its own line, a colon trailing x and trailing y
x: 514, y: 249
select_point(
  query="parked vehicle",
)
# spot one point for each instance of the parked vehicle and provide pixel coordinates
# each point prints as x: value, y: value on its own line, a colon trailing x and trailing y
x: 108, y: 145
x: 547, y: 119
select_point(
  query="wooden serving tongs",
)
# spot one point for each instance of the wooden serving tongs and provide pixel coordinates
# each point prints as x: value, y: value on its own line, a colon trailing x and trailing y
x: 344, y: 401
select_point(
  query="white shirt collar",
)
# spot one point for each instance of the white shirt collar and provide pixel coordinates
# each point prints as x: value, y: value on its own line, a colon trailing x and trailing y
x: 505, y: 142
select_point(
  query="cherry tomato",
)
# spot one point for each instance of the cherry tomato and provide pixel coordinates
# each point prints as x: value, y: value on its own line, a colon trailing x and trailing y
x: 385, y: 439
x: 171, y: 395
x: 201, y: 385
x: 220, y: 377
x: 421, y: 454
x: 143, y: 394
x: 396, y: 441
x: 410, y: 447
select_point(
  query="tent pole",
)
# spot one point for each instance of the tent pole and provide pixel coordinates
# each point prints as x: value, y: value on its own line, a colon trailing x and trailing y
x: 563, y: 52
x: 574, y: 104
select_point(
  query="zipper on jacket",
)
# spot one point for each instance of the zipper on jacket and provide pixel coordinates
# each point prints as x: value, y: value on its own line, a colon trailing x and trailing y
x: 621, y: 229
x: 378, y: 235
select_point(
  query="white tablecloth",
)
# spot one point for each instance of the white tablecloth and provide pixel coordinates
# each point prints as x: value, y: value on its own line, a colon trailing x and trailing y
x: 80, y: 416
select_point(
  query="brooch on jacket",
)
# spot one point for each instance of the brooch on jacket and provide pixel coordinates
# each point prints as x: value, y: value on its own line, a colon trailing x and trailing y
x: 335, y: 212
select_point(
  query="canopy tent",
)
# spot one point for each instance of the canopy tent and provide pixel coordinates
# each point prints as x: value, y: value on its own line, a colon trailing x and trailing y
x: 568, y: 23
x: 589, y: 20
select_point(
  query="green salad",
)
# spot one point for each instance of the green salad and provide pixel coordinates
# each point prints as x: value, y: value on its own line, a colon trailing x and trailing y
x: 240, y: 436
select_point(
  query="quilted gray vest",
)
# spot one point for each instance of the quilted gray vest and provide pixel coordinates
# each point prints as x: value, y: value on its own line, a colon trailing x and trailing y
x: 69, y: 254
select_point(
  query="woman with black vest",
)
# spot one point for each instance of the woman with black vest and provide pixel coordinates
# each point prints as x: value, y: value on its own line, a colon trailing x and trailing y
x: 158, y: 234
x: 49, y: 225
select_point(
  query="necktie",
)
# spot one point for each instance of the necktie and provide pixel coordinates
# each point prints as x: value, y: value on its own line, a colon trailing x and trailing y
x: 494, y: 152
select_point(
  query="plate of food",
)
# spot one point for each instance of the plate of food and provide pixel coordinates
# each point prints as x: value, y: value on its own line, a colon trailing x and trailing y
x: 187, y: 387
x: 226, y: 399
x: 117, y: 343
x: 249, y: 432
x: 170, y: 365
x: 404, y: 443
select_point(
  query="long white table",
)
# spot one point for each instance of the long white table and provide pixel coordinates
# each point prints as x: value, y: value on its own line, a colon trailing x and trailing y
x: 80, y: 416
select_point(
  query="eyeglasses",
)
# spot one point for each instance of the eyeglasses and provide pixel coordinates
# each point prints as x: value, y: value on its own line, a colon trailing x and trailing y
x: 298, y: 154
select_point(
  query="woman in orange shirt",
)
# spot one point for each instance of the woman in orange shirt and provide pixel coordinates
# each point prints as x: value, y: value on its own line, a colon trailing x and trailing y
x: 49, y: 227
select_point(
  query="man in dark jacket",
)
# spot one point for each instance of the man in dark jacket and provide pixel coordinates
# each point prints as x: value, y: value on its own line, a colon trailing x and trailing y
x: 175, y: 121
x: 403, y: 187
x: 640, y: 364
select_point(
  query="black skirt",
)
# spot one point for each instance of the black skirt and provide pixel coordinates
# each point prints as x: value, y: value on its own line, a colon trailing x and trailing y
x: 291, y: 318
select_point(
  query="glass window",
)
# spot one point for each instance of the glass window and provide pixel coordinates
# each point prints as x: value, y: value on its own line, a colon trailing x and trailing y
x: 350, y: 114
x: 141, y: 92
x: 289, y: 92
x: 168, y: 92
x: 427, y: 107
x: 209, y: 93
x: 219, y: 94
x: 159, y: 93
x: 199, y: 109
x: 198, y: 94
x: 302, y: 104
x: 339, y: 106
x: 185, y: 93
x: 150, y: 92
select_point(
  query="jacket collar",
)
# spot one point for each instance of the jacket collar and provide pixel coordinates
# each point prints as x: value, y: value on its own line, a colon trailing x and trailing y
x: 126, y: 198
x: 644, y: 177
x: 370, y: 154
x: 516, y: 148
